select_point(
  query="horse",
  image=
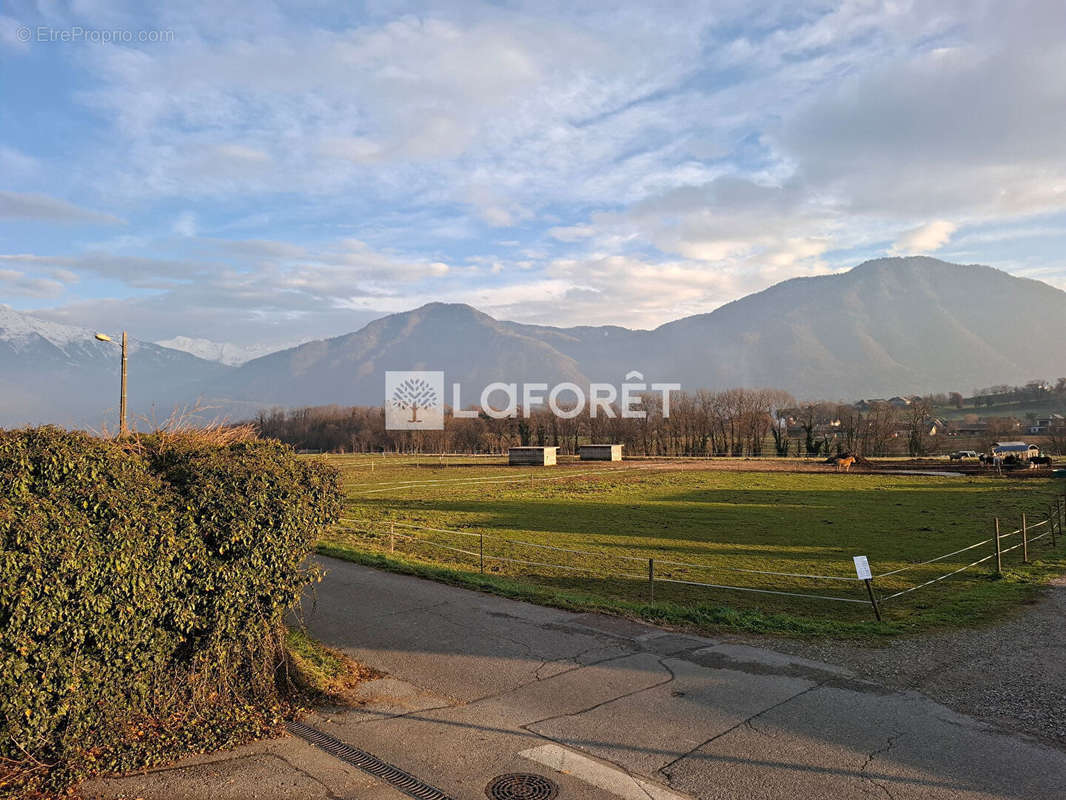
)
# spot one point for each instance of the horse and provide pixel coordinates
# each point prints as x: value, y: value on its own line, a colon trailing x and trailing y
x: 844, y: 461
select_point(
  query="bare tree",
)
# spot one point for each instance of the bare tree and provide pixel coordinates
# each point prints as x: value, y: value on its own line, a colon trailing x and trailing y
x: 919, y: 415
x: 876, y: 429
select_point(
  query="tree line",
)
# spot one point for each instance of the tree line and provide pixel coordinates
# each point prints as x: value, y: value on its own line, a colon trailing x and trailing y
x: 734, y: 422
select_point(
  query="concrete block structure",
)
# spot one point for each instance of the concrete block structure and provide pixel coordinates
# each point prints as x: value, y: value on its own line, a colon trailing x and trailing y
x: 600, y: 452
x: 532, y: 456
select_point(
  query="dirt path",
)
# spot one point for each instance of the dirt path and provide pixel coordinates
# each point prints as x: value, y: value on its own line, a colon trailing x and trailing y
x: 1012, y: 673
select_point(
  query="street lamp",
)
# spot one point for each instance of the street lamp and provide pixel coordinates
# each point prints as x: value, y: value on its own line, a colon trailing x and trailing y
x: 122, y: 429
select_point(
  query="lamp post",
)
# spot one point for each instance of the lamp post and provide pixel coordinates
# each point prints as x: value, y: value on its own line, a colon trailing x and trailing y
x: 122, y: 429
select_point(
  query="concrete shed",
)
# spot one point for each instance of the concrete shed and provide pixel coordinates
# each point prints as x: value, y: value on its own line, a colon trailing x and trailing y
x: 532, y: 456
x: 600, y: 452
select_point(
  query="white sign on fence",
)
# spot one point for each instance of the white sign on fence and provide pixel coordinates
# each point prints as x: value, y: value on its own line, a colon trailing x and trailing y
x: 862, y: 568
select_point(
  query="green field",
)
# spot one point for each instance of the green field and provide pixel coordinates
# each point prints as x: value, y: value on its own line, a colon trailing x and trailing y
x: 700, y: 525
x: 1019, y: 410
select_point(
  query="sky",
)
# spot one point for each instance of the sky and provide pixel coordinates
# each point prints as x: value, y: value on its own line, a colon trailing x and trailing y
x: 264, y: 172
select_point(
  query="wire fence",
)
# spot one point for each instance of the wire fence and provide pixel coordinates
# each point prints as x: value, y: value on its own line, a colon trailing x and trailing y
x: 477, y: 550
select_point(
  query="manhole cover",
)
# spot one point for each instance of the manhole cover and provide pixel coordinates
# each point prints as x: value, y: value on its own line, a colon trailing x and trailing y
x: 521, y: 786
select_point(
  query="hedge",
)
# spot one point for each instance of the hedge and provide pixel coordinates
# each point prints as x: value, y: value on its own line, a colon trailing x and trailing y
x: 142, y: 586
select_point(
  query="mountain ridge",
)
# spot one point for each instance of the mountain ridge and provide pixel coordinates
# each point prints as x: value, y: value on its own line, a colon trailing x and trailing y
x: 906, y: 325
x: 902, y: 324
x: 53, y: 372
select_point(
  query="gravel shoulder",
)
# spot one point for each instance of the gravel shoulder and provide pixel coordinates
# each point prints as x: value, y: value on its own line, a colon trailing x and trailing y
x: 1012, y: 673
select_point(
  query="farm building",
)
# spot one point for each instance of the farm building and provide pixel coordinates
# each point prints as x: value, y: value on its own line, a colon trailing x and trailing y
x: 531, y: 456
x: 1043, y: 425
x: 1020, y: 450
x: 600, y: 452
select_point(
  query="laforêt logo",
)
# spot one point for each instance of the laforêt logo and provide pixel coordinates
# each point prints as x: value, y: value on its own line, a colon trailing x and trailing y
x: 414, y: 401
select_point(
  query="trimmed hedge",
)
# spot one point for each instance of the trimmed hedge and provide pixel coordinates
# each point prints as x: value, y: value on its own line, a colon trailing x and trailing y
x: 142, y: 585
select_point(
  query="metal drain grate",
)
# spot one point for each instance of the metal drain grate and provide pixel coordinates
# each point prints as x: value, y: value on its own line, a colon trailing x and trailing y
x: 394, y: 776
x: 521, y: 786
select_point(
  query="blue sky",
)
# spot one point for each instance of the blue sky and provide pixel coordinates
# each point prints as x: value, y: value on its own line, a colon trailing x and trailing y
x: 271, y: 172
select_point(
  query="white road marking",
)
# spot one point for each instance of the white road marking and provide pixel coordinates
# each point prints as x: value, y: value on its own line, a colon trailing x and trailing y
x: 610, y: 779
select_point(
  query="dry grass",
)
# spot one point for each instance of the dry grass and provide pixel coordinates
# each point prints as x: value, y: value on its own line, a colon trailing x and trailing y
x: 324, y: 674
x: 184, y: 426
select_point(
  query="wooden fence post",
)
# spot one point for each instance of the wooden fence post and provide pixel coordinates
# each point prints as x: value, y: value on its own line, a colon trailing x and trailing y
x: 999, y: 551
x: 392, y: 537
x: 482, y: 554
x: 1051, y: 523
x: 651, y: 580
x: 1025, y: 540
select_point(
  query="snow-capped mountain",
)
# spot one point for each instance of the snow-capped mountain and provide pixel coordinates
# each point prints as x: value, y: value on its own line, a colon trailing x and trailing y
x: 24, y: 329
x: 223, y: 352
x: 50, y: 372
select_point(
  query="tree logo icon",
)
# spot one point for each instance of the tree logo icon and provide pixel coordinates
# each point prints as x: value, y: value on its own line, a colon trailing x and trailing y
x: 413, y: 400
x: 413, y: 394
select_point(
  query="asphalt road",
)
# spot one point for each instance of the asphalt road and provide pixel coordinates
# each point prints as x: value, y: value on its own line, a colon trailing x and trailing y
x: 480, y: 686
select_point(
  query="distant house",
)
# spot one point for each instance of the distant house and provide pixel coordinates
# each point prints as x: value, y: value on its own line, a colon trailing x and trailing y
x: 930, y: 427
x: 968, y: 429
x: 899, y: 402
x: 866, y: 405
x: 1044, y: 425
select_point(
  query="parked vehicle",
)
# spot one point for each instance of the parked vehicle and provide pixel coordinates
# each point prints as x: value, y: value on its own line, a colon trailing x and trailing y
x: 962, y: 455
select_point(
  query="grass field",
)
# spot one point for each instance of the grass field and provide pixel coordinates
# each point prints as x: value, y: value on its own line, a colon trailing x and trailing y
x: 712, y: 523
x: 1038, y: 408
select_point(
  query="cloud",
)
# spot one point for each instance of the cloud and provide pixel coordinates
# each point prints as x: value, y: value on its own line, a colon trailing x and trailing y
x: 646, y: 162
x: 16, y: 163
x: 11, y: 35
x: 191, y: 314
x: 972, y: 127
x: 18, y: 283
x: 571, y: 233
x: 924, y: 239
x: 496, y: 217
x: 261, y: 248
x: 14, y: 205
x: 233, y: 281
x: 434, y: 105
x: 185, y: 224
x: 134, y: 271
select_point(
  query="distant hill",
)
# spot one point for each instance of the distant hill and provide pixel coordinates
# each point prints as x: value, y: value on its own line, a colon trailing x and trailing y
x: 60, y: 373
x: 349, y: 370
x: 890, y: 326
